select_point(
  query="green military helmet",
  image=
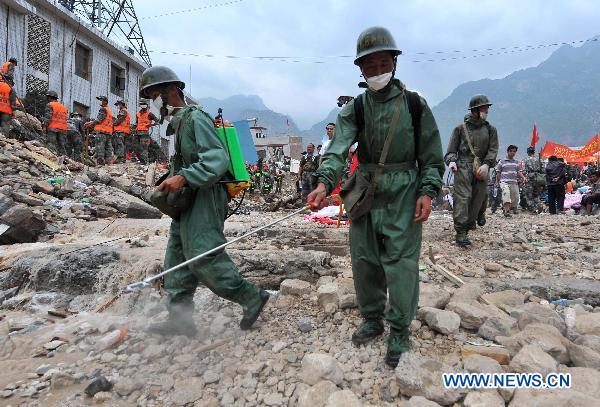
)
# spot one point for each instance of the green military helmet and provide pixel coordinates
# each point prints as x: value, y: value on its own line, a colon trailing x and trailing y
x: 478, y: 101
x: 373, y: 40
x: 52, y: 94
x: 157, y: 75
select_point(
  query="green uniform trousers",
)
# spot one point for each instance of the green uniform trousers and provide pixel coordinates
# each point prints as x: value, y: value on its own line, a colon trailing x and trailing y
x: 103, y: 151
x: 200, y: 229
x: 117, y: 140
x: 470, y: 197
x: 57, y: 141
x: 385, y: 247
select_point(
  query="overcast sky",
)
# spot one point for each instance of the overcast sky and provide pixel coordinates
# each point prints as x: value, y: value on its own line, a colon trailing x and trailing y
x: 317, y: 28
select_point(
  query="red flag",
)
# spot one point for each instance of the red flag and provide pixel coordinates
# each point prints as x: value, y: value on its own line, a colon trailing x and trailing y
x: 535, y: 137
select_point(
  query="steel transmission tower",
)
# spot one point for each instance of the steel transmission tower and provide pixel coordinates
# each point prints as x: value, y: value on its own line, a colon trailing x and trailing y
x: 112, y: 17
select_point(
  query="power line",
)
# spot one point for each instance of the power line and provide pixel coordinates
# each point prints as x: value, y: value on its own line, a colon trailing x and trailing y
x: 328, y: 58
x: 227, y: 3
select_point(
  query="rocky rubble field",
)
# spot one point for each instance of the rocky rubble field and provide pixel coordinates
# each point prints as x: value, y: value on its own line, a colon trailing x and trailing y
x: 70, y: 339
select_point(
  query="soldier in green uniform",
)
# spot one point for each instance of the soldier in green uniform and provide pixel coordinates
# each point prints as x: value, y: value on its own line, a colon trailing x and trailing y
x: 200, y: 227
x: 470, y: 184
x: 385, y: 243
x: 308, y: 165
x: 534, y: 172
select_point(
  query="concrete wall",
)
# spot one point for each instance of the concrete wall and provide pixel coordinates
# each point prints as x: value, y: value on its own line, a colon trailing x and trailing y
x: 66, y: 31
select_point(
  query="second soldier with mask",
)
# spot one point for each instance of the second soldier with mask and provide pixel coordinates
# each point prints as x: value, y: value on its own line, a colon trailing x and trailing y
x: 200, y: 163
x: 471, y: 153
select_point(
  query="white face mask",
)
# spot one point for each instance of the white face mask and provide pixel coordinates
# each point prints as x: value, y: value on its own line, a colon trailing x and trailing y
x: 380, y: 81
x: 483, y: 115
x: 158, y: 103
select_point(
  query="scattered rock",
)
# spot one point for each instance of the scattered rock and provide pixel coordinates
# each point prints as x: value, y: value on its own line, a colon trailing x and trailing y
x: 509, y: 298
x: 317, y: 395
x: 295, y: 287
x: 419, y: 375
x: 588, y: 324
x: 318, y: 366
x: 187, y: 390
x: 210, y: 377
x: 59, y: 380
x: 304, y: 325
x: 492, y: 267
x: 97, y: 385
x: 445, y: 322
x: 483, y: 399
x: 584, y: 380
x: 532, y: 359
x: 420, y: 401
x: 470, y: 317
x: 547, y: 337
x: 531, y: 313
x: 481, y: 364
x: 497, y: 326
x: 125, y: 386
x: 500, y: 355
x: 552, y: 397
x: 432, y: 296
x: 343, y: 398
x: 52, y: 345
x: 590, y: 341
x: 328, y: 294
x: 582, y: 356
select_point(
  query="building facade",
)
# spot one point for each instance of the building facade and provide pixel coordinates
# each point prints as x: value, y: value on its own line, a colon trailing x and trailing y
x: 60, y: 51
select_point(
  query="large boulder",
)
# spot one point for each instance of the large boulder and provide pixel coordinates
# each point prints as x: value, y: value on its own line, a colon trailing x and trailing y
x: 497, y: 326
x: 130, y: 205
x: 471, y: 317
x: 547, y: 337
x: 510, y: 298
x: 585, y: 380
x: 318, y: 366
x: 588, y: 324
x: 24, y: 225
x: 445, y: 322
x: 432, y: 296
x: 582, y: 356
x: 532, y: 313
x: 418, y: 375
x: 532, y: 359
x: 552, y: 397
x: 317, y: 395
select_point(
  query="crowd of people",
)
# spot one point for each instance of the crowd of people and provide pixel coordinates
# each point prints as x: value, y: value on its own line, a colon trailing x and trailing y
x: 109, y: 138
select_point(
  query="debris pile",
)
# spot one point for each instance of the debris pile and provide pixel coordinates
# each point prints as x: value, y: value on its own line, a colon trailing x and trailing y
x: 40, y: 197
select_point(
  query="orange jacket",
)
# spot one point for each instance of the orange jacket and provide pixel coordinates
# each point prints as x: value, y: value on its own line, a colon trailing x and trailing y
x: 5, y: 68
x: 123, y: 127
x: 143, y: 121
x: 60, y: 115
x: 5, y: 106
x: 106, y: 125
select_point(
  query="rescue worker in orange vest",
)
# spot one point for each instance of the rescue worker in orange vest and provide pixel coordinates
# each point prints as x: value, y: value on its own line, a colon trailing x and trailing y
x: 103, y: 130
x: 8, y: 104
x: 55, y: 123
x: 145, y: 120
x: 121, y: 131
x: 8, y: 70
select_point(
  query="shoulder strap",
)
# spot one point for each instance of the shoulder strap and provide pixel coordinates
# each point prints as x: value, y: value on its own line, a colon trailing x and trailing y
x: 468, y: 138
x: 416, y: 110
x: 177, y: 137
x: 388, y: 142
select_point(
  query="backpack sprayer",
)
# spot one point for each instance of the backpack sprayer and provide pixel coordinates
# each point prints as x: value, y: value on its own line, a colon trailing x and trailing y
x: 145, y: 283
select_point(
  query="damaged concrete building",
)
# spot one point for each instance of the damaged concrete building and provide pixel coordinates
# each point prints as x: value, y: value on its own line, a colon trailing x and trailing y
x: 58, y: 50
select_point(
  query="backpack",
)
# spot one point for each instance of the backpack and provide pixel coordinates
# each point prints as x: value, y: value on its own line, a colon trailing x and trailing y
x: 414, y: 107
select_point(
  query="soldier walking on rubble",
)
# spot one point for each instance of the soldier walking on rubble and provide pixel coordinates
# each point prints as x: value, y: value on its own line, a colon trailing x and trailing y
x: 471, y: 153
x: 144, y: 120
x: 122, y: 131
x: 395, y: 128
x: 202, y: 161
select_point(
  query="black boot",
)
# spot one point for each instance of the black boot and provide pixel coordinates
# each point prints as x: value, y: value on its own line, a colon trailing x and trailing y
x: 179, y: 322
x: 368, y: 330
x: 253, y: 310
x: 397, y: 345
x: 462, y: 240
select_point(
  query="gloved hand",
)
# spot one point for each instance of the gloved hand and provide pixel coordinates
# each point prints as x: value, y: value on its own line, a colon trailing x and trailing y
x: 453, y: 166
x: 482, y: 172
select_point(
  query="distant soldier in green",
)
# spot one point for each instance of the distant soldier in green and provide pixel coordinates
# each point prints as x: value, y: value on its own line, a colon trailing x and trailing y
x: 103, y: 130
x: 385, y: 242
x: 473, y: 143
x: 308, y: 165
x: 534, y: 174
x: 204, y: 162
x: 75, y: 136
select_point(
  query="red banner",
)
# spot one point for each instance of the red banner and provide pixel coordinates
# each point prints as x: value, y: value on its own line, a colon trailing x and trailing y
x: 588, y: 153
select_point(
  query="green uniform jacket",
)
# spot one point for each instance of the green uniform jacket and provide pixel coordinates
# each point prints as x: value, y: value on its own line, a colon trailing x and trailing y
x: 378, y: 117
x: 484, y: 137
